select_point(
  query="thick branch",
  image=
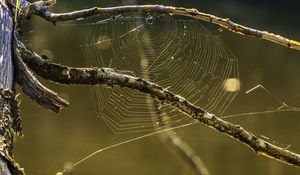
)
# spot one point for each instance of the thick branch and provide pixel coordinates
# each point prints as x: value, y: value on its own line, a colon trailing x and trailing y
x: 40, y: 8
x: 106, y: 76
x: 29, y: 84
x: 34, y: 89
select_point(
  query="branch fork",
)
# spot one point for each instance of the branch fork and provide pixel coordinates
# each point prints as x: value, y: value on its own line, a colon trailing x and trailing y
x: 106, y: 76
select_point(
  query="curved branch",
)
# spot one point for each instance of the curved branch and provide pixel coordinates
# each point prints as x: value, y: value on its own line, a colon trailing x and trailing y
x: 107, y: 76
x: 33, y: 88
x: 40, y: 8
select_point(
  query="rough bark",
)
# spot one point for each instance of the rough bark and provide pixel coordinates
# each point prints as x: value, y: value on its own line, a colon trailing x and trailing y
x: 6, y: 65
x: 9, y: 114
x: 6, y: 70
x: 9, y: 128
x: 40, y: 8
x: 107, y: 76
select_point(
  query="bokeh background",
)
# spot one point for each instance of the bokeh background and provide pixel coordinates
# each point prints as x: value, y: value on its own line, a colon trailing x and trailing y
x: 52, y: 141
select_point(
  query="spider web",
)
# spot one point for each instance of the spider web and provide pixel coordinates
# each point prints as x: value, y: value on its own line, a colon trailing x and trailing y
x: 178, y: 54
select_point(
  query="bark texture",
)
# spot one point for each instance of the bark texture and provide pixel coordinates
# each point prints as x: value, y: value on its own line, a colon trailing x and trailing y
x: 40, y: 8
x: 109, y: 77
x: 6, y: 62
x: 9, y: 128
x: 6, y: 75
x: 9, y: 113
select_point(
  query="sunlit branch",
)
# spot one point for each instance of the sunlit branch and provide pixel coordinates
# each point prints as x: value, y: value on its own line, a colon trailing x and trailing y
x: 107, y: 76
x: 40, y: 8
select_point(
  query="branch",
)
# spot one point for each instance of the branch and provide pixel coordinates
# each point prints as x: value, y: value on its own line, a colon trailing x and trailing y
x: 40, y: 8
x: 10, y: 121
x: 33, y: 88
x: 107, y: 76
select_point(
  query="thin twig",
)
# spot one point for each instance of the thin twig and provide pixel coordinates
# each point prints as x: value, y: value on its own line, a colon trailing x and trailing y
x: 40, y: 8
x: 107, y: 76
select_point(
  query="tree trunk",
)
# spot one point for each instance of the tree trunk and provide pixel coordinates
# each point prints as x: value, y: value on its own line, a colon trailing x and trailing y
x: 6, y: 63
x: 8, y: 100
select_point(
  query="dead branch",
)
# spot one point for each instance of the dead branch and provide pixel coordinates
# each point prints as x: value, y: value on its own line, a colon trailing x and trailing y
x: 109, y: 77
x: 34, y: 89
x: 40, y: 8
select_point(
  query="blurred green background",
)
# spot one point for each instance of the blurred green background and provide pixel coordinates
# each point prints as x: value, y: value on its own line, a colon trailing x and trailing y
x: 51, y: 141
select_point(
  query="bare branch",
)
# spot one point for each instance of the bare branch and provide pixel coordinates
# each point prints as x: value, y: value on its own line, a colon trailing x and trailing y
x: 40, y: 8
x: 106, y: 76
x: 34, y: 89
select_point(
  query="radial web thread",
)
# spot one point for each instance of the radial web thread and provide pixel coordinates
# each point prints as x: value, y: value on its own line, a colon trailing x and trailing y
x: 180, y: 55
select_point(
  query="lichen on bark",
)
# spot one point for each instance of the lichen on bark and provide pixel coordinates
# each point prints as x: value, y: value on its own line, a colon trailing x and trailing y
x: 10, y: 127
